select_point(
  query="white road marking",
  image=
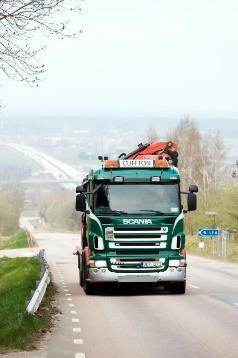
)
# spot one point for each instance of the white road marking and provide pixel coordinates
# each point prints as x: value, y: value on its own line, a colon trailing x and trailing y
x: 193, y: 286
x: 78, y: 341
x: 69, y: 299
x: 77, y: 329
x: 66, y: 290
x: 235, y: 303
x: 80, y: 355
x: 68, y: 294
x: 71, y: 305
x: 73, y: 312
x: 75, y: 320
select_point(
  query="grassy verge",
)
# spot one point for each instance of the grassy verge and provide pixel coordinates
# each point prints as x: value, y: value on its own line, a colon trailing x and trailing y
x: 212, y: 251
x: 16, y: 241
x: 18, y: 329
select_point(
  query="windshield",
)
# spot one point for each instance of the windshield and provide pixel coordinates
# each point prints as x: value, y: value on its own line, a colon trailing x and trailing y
x: 141, y: 199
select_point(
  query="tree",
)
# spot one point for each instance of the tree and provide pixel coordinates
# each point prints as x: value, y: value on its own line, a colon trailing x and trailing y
x: 57, y: 211
x: 19, y: 21
x: 11, y: 205
x: 234, y: 173
x: 199, y: 158
x: 151, y: 135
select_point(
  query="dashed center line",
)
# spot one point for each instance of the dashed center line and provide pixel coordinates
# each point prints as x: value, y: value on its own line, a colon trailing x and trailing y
x: 75, y: 320
x: 193, y: 286
x: 78, y: 341
x: 80, y: 355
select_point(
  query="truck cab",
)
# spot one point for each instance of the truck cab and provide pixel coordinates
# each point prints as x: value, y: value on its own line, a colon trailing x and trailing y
x: 133, y: 224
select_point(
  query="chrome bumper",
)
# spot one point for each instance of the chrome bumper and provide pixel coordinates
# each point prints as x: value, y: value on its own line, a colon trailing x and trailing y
x: 104, y: 275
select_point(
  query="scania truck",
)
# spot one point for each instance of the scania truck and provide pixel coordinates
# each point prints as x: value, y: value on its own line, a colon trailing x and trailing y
x: 132, y: 228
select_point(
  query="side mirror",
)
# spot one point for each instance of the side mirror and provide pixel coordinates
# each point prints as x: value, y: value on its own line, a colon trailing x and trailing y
x: 80, y: 202
x: 192, y: 202
x: 79, y: 189
x: 193, y: 188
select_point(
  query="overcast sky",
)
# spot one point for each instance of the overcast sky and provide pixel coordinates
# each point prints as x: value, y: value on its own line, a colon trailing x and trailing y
x: 139, y: 57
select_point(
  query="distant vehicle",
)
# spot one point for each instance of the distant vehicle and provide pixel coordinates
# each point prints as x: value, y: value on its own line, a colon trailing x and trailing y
x: 133, y: 220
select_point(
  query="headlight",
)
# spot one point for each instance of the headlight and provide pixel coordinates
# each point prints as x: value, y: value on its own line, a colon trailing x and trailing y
x: 173, y: 262
x: 97, y: 263
x: 100, y: 263
x: 176, y: 263
x: 109, y: 233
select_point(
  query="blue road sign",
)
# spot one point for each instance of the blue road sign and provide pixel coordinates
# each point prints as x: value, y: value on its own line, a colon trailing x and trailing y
x: 208, y: 232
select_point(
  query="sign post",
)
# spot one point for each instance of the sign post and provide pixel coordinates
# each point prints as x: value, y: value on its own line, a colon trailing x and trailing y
x: 220, y: 241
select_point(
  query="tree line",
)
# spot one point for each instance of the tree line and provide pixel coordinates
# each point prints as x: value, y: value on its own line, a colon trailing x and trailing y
x: 202, y: 161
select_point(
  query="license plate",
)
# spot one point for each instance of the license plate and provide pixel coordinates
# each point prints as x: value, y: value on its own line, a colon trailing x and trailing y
x: 150, y: 264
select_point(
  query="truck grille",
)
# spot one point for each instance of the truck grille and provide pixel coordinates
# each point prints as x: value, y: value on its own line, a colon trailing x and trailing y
x: 153, y: 237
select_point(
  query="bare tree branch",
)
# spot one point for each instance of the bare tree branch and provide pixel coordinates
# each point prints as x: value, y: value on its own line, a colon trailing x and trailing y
x: 19, y: 22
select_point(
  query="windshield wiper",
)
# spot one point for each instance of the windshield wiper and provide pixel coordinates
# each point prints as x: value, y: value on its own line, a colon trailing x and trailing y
x: 111, y: 212
x: 157, y: 212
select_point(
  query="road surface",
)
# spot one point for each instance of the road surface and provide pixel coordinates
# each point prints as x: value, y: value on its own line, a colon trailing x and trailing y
x: 142, y: 322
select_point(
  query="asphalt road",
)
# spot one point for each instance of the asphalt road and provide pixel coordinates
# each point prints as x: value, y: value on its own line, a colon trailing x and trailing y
x: 142, y: 322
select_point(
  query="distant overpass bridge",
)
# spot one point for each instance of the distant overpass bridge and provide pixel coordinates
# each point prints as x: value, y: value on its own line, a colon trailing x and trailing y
x: 64, y: 174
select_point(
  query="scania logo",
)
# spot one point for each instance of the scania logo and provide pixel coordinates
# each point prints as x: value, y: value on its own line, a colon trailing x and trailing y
x: 137, y: 221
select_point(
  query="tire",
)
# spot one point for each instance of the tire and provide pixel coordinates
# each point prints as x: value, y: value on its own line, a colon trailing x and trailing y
x: 88, y: 287
x: 80, y: 278
x: 80, y: 267
x: 178, y: 287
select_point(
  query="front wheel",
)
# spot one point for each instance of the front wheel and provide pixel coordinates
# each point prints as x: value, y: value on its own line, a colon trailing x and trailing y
x: 88, y: 287
x: 80, y: 267
x: 178, y: 287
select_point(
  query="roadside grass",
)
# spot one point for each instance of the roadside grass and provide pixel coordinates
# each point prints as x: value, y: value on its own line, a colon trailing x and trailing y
x: 16, y: 241
x: 18, y: 329
x: 232, y: 249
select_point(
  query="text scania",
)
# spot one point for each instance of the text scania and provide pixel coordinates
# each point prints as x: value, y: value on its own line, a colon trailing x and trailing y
x: 137, y: 221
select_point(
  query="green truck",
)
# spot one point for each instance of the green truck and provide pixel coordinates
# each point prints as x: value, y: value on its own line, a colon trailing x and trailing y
x: 132, y: 228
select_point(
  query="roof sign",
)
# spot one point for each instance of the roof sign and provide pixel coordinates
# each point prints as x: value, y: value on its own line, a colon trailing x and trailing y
x: 144, y: 163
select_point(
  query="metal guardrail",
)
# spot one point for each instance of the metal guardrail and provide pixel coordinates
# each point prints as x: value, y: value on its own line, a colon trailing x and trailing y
x: 39, y: 293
